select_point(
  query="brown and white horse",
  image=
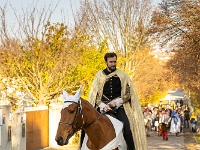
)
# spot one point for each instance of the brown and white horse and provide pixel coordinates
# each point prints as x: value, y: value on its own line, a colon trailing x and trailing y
x: 79, y: 114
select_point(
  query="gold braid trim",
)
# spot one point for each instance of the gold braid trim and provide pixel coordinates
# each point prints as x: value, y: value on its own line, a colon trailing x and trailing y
x: 133, y: 110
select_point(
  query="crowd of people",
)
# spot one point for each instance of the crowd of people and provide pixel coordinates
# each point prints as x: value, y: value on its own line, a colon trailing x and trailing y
x: 169, y: 119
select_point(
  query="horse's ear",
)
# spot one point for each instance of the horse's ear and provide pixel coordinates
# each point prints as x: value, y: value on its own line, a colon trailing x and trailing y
x: 78, y: 93
x: 65, y: 94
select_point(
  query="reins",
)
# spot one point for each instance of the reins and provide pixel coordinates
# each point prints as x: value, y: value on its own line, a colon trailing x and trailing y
x: 77, y: 115
x: 70, y: 124
x: 93, y: 121
x: 74, y: 123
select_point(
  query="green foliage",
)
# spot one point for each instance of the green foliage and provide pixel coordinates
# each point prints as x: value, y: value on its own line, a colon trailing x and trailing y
x: 92, y: 62
x: 195, y: 104
x: 175, y: 24
x: 153, y: 98
x: 59, y: 60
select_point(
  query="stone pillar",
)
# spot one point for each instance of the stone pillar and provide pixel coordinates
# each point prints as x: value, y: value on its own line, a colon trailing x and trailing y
x: 18, y: 140
x: 6, y: 144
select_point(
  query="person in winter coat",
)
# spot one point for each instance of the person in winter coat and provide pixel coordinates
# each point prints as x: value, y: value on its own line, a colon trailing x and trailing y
x: 186, y: 116
x: 193, y: 121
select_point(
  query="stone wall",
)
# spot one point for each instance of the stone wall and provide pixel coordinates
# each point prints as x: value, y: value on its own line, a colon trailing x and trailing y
x: 30, y: 128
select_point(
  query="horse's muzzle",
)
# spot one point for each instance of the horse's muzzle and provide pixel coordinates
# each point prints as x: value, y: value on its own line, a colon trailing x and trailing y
x: 60, y: 141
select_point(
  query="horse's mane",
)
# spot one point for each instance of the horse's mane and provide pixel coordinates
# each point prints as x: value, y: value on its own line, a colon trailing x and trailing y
x: 83, y: 101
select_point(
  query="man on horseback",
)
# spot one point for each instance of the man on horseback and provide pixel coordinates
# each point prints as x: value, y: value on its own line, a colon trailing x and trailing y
x: 112, y: 91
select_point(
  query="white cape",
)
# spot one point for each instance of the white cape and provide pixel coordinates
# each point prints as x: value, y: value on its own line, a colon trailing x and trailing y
x: 118, y: 141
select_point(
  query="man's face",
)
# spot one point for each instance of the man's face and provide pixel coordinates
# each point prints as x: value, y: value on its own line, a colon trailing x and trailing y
x: 111, y: 63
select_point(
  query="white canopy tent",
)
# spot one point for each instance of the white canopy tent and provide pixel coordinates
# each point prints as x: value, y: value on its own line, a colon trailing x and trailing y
x: 174, y: 95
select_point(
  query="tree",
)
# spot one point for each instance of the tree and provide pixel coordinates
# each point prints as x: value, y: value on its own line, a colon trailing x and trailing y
x: 55, y: 63
x: 29, y: 23
x: 177, y: 23
x: 44, y: 58
x: 123, y: 23
x: 125, y: 26
x: 152, y: 80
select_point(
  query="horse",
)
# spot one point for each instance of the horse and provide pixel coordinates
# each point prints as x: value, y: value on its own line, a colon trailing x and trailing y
x: 78, y: 114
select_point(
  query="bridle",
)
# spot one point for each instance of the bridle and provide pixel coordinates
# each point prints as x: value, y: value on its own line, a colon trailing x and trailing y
x: 74, y: 123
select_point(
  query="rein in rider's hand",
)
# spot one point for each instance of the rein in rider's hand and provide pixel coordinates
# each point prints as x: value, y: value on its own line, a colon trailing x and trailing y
x: 109, y: 106
x: 112, y: 104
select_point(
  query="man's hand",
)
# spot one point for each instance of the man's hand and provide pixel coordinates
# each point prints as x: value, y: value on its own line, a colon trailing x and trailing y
x: 112, y: 104
x: 107, y: 108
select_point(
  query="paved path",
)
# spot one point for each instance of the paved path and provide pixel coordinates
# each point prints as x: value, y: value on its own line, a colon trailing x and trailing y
x: 156, y: 142
x: 190, y: 141
x: 185, y: 141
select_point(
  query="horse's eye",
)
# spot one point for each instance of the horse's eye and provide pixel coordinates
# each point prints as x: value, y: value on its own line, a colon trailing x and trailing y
x: 71, y: 111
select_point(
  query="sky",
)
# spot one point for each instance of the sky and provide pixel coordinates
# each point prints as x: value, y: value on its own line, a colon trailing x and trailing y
x: 63, y: 5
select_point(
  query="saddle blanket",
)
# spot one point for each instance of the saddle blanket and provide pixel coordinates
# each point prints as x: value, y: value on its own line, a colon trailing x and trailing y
x: 118, y: 141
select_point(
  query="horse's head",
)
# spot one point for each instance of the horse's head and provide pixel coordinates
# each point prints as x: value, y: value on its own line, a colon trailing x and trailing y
x: 71, y: 118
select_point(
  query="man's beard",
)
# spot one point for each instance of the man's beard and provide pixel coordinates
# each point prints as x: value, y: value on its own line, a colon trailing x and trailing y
x: 113, y: 68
